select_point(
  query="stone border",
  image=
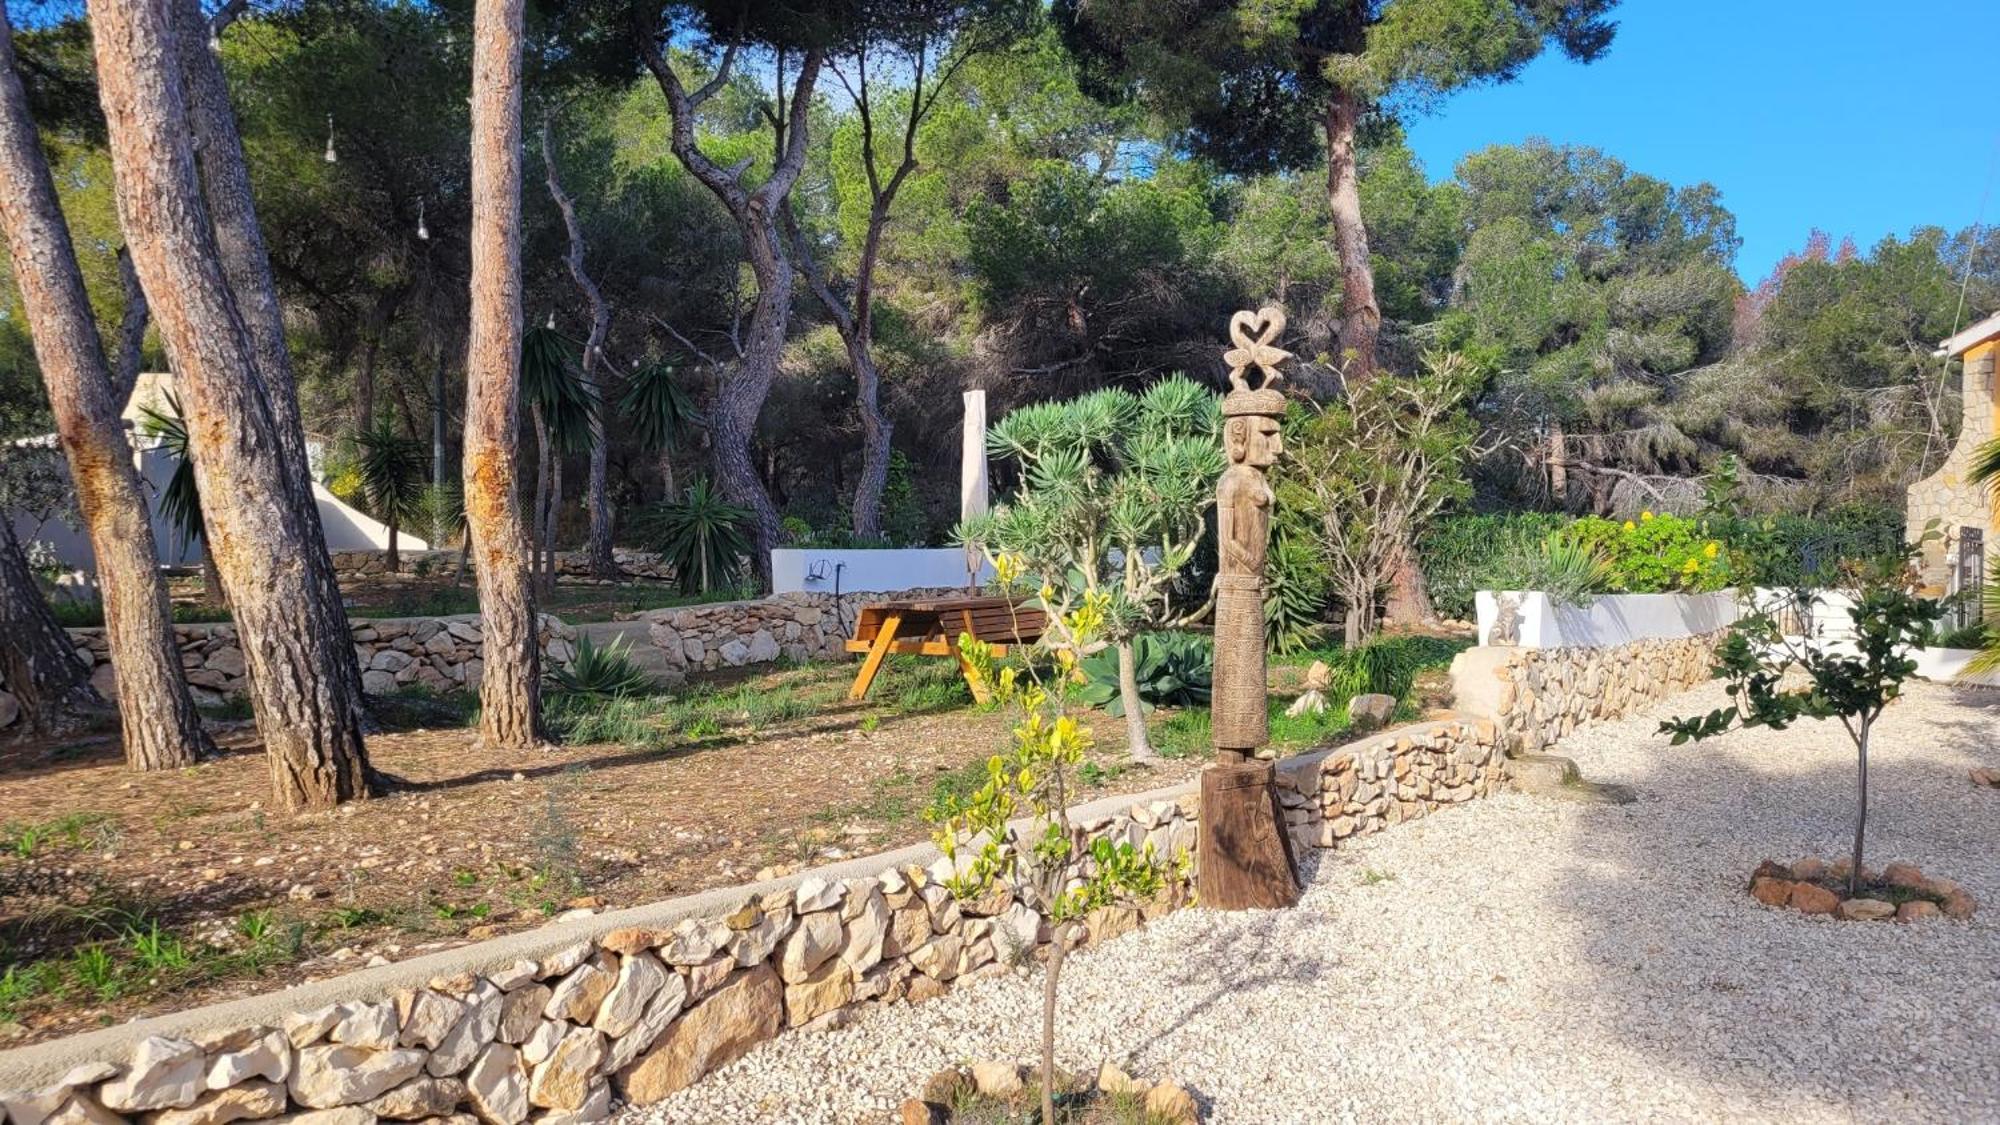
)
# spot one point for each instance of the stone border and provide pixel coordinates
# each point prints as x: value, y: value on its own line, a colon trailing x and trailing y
x: 648, y: 1000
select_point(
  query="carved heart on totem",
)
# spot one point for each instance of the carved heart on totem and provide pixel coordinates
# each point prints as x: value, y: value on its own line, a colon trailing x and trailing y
x: 1255, y: 336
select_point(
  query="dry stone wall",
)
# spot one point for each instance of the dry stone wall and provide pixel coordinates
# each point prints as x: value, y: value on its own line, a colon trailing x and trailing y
x: 1545, y: 693
x: 440, y: 653
x: 637, y: 1012
x: 795, y: 626
x: 375, y: 564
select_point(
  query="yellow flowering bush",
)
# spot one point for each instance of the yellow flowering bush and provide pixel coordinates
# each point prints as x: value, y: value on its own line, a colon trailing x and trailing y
x: 1656, y: 554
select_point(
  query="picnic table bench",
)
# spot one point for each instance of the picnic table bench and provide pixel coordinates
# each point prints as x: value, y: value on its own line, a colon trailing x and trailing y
x: 931, y: 627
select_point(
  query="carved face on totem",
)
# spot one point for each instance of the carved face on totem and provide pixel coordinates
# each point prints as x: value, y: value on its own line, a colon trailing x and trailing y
x: 1253, y: 440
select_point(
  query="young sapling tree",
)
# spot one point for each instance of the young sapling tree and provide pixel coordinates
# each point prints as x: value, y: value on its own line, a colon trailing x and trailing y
x: 1777, y: 679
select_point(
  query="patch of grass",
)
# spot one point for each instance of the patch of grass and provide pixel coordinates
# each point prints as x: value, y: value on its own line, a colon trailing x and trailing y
x: 157, y: 950
x: 1370, y: 877
x: 95, y: 830
x: 22, y: 985
x: 232, y: 709
x: 96, y: 970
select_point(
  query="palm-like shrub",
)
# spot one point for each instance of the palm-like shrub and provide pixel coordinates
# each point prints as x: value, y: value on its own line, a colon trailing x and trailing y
x: 180, y: 501
x: 701, y: 536
x: 659, y: 413
x: 550, y: 384
x: 1107, y: 510
x: 393, y: 467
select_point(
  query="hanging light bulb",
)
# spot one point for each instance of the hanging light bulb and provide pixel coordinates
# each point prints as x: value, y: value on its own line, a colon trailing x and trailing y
x: 332, y: 157
x: 423, y: 232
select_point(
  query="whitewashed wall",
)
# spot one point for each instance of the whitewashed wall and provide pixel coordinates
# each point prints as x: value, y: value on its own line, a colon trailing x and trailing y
x: 796, y: 570
x: 1608, y: 619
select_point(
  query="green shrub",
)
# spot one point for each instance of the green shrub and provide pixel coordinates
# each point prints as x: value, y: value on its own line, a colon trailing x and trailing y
x: 1656, y: 554
x: 1566, y: 570
x: 1388, y: 665
x: 1175, y: 670
x: 1296, y: 590
x: 1461, y: 555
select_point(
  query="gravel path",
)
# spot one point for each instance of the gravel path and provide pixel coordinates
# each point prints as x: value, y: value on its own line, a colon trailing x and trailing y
x: 1523, y: 959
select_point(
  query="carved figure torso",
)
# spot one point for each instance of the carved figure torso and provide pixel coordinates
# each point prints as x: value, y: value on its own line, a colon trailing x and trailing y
x: 1243, y: 520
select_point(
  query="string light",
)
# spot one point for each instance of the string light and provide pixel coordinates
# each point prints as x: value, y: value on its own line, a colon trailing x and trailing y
x: 332, y: 157
x: 423, y: 232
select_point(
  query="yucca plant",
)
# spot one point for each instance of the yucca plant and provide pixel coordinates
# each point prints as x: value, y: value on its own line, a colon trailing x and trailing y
x: 1296, y: 586
x: 701, y: 536
x: 393, y: 467
x: 180, y: 501
x: 603, y: 673
x: 659, y: 413
x: 1568, y: 571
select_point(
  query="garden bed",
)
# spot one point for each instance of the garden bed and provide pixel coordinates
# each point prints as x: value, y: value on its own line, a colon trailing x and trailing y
x: 1899, y: 892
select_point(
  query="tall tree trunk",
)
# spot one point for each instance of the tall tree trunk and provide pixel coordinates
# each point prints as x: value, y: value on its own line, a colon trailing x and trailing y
x: 668, y: 486
x: 364, y: 384
x: 510, y: 692
x: 303, y: 677
x: 38, y: 664
x: 1559, y: 465
x: 757, y: 213
x: 394, y: 558
x: 246, y: 267
x: 740, y: 399
x: 1361, y: 316
x: 160, y: 726
x: 437, y: 421
x: 598, y: 550
x: 131, y: 332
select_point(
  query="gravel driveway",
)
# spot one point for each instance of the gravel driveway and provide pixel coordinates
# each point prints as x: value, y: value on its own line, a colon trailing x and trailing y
x: 1524, y: 959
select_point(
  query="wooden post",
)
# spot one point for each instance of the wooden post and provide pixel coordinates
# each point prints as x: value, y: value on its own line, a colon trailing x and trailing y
x: 1245, y: 853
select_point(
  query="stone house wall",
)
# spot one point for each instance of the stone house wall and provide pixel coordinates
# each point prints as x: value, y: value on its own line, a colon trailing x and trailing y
x: 1948, y: 496
x: 642, y: 1009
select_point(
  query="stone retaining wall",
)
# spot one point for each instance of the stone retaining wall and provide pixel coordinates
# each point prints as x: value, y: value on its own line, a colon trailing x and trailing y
x: 1546, y: 693
x: 375, y: 564
x: 797, y: 626
x: 440, y: 653
x: 640, y: 1006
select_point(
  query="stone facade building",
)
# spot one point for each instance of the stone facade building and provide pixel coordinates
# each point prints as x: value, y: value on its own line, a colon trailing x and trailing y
x: 1963, y: 509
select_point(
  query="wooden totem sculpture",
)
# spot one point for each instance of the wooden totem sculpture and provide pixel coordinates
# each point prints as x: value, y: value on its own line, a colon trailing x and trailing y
x: 1246, y: 855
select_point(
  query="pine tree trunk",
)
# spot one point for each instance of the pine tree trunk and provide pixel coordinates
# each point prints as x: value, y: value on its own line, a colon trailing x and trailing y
x: 38, y: 664
x: 876, y: 433
x: 160, y: 726
x: 246, y: 266
x: 510, y: 692
x: 303, y: 677
x: 1361, y: 316
x: 740, y: 399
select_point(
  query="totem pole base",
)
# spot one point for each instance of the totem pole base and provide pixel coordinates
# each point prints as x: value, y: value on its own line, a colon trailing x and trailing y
x: 1245, y: 853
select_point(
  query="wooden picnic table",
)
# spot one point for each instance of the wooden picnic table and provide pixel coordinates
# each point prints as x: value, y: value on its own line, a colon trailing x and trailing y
x: 931, y: 627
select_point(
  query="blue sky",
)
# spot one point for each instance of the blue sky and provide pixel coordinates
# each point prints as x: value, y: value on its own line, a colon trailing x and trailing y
x: 1860, y: 119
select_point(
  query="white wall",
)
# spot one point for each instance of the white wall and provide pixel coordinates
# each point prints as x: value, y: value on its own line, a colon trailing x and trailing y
x: 794, y: 570
x: 1609, y: 619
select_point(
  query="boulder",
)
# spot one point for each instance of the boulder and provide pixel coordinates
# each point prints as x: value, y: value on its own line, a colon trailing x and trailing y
x: 342, y: 1074
x: 640, y: 977
x: 563, y: 1080
x: 829, y: 989
x: 817, y: 938
x: 164, y: 1074
x: 249, y: 1101
x: 745, y: 1011
x: 1371, y: 710
x: 497, y: 1086
x: 269, y: 1056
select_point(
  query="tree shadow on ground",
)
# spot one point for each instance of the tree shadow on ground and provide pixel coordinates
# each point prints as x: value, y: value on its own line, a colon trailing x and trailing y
x: 1777, y: 1013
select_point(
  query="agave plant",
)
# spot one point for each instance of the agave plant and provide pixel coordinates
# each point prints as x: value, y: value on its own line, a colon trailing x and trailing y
x: 701, y: 536
x: 1174, y: 669
x: 604, y: 673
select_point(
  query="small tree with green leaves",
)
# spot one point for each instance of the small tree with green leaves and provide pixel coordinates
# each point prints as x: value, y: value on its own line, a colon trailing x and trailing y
x: 1109, y: 508
x: 1849, y: 680
x: 1369, y: 474
x: 393, y: 467
x: 1047, y: 861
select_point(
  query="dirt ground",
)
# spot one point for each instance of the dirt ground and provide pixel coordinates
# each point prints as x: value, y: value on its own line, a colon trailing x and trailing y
x: 471, y: 844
